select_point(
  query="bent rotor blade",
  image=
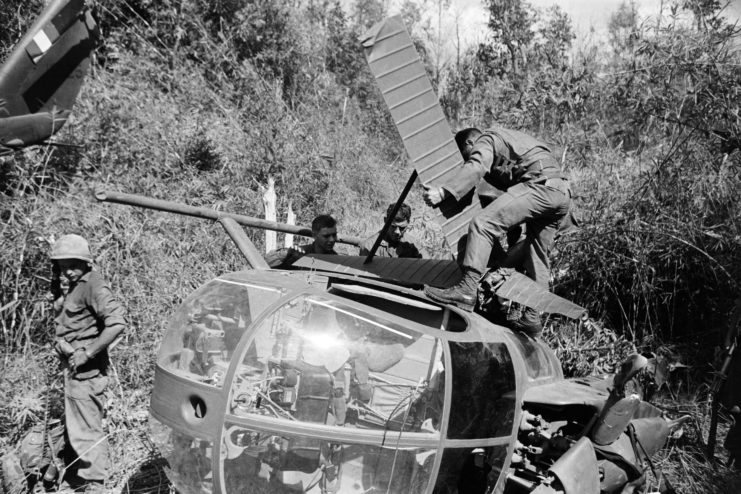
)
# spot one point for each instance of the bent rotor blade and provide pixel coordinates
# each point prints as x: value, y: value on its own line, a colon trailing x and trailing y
x: 422, y: 125
x: 519, y: 288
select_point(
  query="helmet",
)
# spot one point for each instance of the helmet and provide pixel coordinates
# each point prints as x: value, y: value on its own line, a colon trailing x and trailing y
x: 71, y: 247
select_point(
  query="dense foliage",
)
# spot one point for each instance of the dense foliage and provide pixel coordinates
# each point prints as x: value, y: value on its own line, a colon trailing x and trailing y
x: 647, y: 126
x: 200, y: 101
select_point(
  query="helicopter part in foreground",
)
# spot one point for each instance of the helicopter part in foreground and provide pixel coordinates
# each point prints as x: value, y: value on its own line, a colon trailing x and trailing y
x: 509, y: 284
x: 210, y: 214
x: 547, y: 454
x: 323, y: 382
x: 320, y: 392
x: 42, y: 76
x: 585, y: 445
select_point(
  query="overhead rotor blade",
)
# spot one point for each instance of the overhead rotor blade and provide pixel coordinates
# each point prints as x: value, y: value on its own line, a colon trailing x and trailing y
x: 422, y: 125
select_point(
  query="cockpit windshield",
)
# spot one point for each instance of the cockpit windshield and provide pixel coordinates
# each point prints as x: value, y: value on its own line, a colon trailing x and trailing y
x: 320, y: 360
x: 324, y: 394
x: 204, y: 332
x: 369, y: 389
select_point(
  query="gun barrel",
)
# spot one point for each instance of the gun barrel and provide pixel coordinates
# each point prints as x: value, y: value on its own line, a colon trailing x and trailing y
x: 210, y: 214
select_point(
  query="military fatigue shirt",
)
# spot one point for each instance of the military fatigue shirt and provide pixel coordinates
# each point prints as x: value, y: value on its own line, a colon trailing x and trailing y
x: 504, y: 158
x: 403, y: 248
x: 88, y: 308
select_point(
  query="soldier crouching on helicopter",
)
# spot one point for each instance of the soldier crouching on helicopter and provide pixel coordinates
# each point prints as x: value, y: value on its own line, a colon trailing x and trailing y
x: 88, y: 320
x: 324, y: 231
x: 536, y: 195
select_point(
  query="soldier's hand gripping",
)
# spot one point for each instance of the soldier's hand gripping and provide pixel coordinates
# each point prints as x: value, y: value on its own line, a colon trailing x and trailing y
x: 433, y: 195
x: 78, y: 359
x: 63, y: 348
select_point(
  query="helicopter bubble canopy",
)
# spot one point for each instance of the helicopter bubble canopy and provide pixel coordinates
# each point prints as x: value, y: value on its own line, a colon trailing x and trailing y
x: 269, y: 388
x: 204, y: 331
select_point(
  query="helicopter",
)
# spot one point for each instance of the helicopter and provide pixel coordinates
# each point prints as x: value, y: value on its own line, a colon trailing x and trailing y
x: 338, y: 375
x: 42, y: 76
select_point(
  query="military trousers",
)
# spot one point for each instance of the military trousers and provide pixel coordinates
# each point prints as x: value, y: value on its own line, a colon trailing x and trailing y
x: 540, y: 206
x: 84, y: 407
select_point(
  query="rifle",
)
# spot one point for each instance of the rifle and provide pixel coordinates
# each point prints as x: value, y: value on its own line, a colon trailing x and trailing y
x: 720, y: 379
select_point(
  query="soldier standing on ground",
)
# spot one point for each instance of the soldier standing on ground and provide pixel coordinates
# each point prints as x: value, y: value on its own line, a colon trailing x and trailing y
x: 394, y: 244
x: 88, y: 319
x: 324, y: 231
x: 536, y: 194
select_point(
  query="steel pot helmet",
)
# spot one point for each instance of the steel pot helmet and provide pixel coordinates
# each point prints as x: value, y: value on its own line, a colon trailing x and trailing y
x: 71, y: 247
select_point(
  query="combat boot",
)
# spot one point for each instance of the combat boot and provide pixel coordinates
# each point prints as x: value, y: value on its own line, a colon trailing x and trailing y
x: 528, y: 323
x: 462, y: 295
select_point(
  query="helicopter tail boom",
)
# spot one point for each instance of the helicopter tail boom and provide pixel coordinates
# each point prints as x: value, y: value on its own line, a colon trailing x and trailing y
x: 210, y: 214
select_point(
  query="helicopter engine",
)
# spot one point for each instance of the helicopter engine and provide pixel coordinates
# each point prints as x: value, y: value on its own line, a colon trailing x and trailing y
x: 561, y: 451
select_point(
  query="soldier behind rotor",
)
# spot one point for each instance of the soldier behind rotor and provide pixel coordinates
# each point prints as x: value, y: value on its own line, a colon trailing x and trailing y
x: 395, y: 243
x: 88, y: 320
x: 324, y: 231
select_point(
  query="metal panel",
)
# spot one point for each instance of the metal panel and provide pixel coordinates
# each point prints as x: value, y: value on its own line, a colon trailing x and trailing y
x: 416, y: 112
x: 568, y: 392
x: 174, y: 401
x: 521, y: 289
x: 434, y: 272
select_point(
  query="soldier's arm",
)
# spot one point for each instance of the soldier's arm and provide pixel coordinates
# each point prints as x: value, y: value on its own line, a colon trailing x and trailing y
x: 276, y: 257
x: 110, y: 311
x: 478, y: 165
x: 281, y: 258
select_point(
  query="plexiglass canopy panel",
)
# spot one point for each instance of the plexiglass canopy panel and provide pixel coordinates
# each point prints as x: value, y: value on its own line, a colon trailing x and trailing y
x: 539, y: 364
x: 318, y: 366
x: 372, y: 373
x: 482, y: 404
x: 189, y: 460
x: 199, y: 344
x: 288, y: 464
x: 206, y: 328
x: 328, y: 395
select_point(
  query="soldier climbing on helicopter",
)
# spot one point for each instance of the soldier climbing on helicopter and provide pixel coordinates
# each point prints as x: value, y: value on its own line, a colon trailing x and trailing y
x: 536, y: 194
